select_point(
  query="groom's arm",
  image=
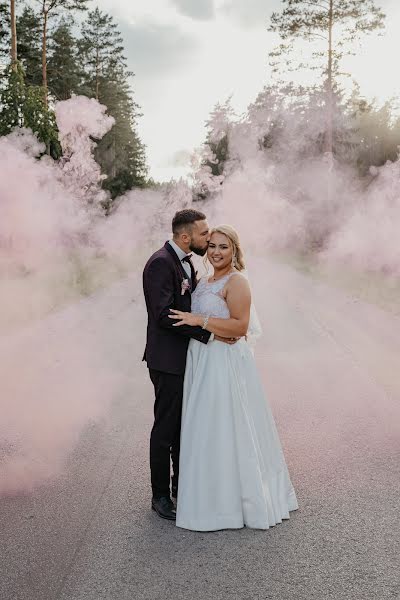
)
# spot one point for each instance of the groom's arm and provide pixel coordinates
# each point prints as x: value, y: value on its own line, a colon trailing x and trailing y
x: 160, y: 288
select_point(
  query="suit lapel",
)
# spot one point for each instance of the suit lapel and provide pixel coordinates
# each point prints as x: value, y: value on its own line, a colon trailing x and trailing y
x: 176, y: 259
x: 180, y: 266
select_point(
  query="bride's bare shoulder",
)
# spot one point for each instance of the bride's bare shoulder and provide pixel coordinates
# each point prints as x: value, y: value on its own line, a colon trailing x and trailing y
x: 237, y: 281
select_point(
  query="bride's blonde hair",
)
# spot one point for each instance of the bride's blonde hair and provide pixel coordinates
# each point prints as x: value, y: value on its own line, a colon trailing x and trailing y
x: 233, y: 237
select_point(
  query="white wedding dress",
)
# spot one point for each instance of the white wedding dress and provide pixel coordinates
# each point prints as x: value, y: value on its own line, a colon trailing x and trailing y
x: 232, y: 469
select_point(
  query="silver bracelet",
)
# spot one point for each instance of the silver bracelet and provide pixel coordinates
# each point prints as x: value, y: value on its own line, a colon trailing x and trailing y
x: 205, y: 322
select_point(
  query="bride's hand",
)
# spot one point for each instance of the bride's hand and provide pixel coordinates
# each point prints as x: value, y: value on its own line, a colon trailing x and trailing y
x: 185, y: 318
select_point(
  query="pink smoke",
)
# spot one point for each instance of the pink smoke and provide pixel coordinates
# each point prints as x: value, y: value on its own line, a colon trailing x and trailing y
x: 56, y: 375
x: 281, y: 198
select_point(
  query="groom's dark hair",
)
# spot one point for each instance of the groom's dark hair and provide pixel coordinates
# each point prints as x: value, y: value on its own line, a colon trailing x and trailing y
x: 184, y: 219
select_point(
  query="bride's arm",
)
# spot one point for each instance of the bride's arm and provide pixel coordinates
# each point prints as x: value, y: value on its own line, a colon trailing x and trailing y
x: 238, y: 299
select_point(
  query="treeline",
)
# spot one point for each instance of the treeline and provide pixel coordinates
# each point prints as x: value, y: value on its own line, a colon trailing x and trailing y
x: 291, y: 122
x: 287, y: 122
x: 57, y: 56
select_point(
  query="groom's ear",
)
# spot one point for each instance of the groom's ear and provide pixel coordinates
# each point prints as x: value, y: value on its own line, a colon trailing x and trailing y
x: 185, y: 236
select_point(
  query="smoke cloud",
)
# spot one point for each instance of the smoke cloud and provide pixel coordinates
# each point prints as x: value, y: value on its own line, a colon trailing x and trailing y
x: 56, y: 247
x: 284, y: 198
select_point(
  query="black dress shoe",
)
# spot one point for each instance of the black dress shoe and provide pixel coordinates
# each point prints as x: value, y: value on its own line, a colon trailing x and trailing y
x: 164, y: 508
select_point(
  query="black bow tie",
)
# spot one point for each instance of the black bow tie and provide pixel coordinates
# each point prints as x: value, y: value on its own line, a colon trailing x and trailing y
x: 187, y: 258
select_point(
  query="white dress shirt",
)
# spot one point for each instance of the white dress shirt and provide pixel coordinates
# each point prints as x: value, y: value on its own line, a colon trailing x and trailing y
x: 181, y: 255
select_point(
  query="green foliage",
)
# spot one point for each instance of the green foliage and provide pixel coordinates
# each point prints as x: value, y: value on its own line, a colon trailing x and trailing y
x: 120, y: 153
x: 93, y: 65
x: 41, y: 120
x: 220, y: 150
x: 29, y: 36
x: 63, y: 71
x: 23, y: 106
x: 48, y: 10
x: 313, y: 21
x: 331, y: 27
x: 376, y: 133
x: 58, y: 7
x: 12, y: 101
x: 217, y: 140
x: 292, y: 117
x: 4, y: 32
x: 307, y: 18
x: 101, y: 49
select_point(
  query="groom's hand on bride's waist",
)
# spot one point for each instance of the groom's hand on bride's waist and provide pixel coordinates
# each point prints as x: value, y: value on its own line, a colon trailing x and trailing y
x: 230, y: 341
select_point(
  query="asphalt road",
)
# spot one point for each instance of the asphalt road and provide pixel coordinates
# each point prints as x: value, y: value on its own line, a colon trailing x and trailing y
x: 331, y: 367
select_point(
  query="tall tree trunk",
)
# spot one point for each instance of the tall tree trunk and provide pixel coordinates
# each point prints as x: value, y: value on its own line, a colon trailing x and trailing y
x: 44, y: 56
x: 329, y: 85
x: 13, y: 36
x: 97, y: 73
x: 113, y: 167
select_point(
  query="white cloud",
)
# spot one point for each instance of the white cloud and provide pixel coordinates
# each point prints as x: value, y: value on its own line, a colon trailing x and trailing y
x: 184, y: 66
x: 157, y: 11
x: 176, y: 106
x: 154, y: 49
x: 196, y: 9
x: 249, y: 13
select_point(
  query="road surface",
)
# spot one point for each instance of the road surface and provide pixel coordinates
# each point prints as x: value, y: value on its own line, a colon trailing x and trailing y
x: 331, y: 367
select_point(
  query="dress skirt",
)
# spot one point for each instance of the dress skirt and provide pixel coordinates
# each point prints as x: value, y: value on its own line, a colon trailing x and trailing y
x: 232, y: 469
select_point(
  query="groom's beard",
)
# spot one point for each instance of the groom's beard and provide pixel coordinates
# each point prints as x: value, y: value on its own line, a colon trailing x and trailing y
x: 198, y: 251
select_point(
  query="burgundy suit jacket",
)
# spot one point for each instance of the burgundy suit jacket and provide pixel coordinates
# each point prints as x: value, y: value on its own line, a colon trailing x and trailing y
x: 166, y: 346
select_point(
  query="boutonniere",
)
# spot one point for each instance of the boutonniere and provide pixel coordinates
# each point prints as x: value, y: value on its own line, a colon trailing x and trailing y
x: 185, y: 286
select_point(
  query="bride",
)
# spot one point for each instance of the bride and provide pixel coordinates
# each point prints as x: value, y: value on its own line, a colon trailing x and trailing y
x: 232, y: 469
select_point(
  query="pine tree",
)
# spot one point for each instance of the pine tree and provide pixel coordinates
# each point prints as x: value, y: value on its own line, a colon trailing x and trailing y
x: 12, y: 100
x: 120, y: 153
x: 214, y: 154
x: 29, y: 45
x: 63, y: 70
x: 218, y: 126
x: 23, y: 106
x: 13, y: 32
x: 101, y: 49
x: 5, y: 38
x: 333, y: 25
x: 48, y: 9
x: 376, y: 134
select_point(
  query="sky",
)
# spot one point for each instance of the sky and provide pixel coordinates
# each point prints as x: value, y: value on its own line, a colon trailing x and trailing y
x: 187, y: 55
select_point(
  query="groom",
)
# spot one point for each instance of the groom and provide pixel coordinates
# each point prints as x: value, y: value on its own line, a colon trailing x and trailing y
x: 169, y: 279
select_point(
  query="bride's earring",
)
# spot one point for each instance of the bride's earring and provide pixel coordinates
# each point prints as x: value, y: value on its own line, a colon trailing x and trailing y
x: 233, y: 264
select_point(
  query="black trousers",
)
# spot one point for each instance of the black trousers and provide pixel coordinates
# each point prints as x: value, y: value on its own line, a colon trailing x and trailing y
x: 165, y: 435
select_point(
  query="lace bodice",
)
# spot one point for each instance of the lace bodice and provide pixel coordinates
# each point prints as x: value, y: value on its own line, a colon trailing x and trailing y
x: 207, y: 298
